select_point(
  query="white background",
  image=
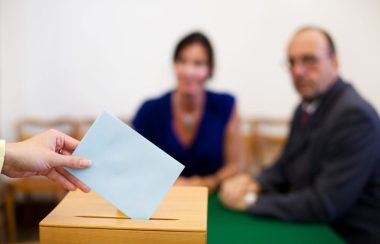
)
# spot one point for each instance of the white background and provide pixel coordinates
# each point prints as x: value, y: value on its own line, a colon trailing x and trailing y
x: 76, y: 58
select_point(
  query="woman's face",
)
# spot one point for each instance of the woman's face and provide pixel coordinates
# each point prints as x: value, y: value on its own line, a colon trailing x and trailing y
x: 192, y: 70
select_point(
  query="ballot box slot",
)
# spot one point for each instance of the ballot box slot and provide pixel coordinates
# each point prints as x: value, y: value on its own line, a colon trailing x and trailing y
x: 118, y: 217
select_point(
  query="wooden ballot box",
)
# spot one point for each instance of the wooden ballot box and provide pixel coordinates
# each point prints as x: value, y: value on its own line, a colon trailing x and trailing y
x: 88, y: 218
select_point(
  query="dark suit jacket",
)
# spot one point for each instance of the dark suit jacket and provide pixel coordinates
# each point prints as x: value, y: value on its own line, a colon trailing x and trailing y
x: 329, y: 170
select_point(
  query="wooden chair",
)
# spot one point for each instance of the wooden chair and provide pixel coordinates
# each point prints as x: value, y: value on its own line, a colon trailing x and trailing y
x: 270, y: 136
x: 35, y: 185
x: 30, y: 127
x: 263, y: 139
x: 248, y: 138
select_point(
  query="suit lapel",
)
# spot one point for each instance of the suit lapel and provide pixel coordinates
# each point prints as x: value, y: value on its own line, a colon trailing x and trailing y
x: 300, y: 136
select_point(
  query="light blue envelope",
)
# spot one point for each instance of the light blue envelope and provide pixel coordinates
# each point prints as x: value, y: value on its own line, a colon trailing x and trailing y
x: 127, y: 169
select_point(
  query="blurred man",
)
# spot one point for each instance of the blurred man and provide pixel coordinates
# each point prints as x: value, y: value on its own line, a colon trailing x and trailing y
x: 329, y: 170
x: 45, y: 154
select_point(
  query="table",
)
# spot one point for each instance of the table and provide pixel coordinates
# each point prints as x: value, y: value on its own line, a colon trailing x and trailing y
x: 227, y: 226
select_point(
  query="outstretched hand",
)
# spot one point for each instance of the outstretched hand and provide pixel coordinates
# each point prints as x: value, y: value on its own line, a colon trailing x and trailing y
x: 45, y: 154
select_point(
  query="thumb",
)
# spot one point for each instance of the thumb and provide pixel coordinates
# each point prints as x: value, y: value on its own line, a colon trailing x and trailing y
x: 70, y: 161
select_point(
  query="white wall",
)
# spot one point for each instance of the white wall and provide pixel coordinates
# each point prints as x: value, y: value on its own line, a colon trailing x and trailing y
x: 79, y: 57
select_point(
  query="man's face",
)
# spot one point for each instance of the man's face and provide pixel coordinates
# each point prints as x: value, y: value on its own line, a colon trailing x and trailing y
x: 312, y: 67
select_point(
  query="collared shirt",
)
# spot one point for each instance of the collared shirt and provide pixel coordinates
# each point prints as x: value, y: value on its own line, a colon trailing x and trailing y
x: 2, y: 153
x: 310, y: 108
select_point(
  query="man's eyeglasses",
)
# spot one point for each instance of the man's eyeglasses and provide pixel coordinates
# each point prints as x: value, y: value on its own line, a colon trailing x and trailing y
x: 307, y: 61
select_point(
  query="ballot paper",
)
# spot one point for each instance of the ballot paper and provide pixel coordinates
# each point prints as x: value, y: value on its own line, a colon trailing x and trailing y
x: 127, y: 170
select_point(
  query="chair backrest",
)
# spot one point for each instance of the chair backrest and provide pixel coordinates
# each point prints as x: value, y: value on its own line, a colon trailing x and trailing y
x: 29, y: 127
x: 248, y: 143
x: 271, y: 135
x: 263, y: 140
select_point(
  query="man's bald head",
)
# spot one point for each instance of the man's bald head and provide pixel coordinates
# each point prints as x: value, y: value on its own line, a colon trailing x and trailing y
x: 312, y: 62
x: 330, y: 43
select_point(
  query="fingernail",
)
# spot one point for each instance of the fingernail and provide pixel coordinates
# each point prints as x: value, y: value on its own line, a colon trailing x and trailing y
x: 85, y: 162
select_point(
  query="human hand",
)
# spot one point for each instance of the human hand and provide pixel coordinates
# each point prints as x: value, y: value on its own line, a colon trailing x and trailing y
x: 233, y: 191
x: 45, y: 154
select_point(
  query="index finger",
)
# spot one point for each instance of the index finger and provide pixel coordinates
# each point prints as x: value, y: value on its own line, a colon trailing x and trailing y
x: 69, y: 143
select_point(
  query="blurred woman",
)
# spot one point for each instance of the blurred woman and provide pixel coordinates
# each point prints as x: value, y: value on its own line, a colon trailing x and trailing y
x: 197, y: 127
